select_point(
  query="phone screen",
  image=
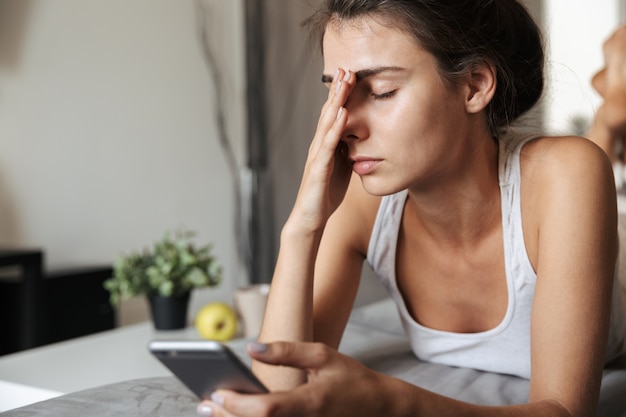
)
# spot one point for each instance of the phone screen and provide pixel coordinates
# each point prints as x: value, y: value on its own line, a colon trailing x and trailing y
x: 205, y: 366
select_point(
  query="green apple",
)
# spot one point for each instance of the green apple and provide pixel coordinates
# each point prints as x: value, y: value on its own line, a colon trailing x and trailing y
x: 216, y: 321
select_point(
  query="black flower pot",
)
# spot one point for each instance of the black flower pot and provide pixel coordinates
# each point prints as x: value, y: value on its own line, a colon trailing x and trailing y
x: 169, y: 313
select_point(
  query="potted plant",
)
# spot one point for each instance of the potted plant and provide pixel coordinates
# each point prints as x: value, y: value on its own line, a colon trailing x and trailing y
x: 166, y: 274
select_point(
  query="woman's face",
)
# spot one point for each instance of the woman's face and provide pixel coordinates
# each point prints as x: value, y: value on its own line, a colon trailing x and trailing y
x: 406, y: 127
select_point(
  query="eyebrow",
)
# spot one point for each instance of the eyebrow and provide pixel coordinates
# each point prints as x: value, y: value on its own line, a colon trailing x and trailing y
x: 364, y: 73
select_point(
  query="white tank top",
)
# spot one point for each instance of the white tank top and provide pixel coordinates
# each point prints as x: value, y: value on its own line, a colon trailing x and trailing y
x: 505, y: 348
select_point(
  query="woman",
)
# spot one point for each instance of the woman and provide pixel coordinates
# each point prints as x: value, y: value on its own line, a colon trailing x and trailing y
x: 499, y: 248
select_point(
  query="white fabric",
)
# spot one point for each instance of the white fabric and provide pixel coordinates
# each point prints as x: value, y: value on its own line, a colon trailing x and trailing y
x: 504, y: 349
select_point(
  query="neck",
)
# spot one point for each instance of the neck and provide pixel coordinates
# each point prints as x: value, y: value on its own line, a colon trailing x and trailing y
x: 464, y: 204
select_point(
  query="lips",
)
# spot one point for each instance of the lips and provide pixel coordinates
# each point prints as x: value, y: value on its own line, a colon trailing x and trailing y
x: 364, y: 165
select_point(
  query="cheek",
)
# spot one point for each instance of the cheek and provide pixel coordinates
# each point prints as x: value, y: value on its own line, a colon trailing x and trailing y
x: 419, y: 118
x: 425, y: 133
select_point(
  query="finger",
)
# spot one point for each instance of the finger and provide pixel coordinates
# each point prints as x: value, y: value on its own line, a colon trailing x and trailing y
x: 212, y: 409
x: 330, y: 117
x: 340, y: 79
x: 302, y: 355
x: 333, y: 90
x: 254, y: 405
x: 204, y: 409
x: 328, y: 139
x: 339, y: 92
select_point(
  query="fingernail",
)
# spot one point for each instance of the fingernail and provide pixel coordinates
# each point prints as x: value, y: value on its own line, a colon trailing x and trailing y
x: 257, y: 347
x: 217, y: 398
x: 340, y: 112
x: 204, y: 410
x: 347, y: 75
x: 336, y: 74
x: 338, y: 86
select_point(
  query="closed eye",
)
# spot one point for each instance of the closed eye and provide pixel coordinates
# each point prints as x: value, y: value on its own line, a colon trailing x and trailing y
x: 383, y: 96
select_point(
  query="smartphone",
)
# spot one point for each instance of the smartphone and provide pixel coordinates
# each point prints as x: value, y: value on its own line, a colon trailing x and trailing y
x: 205, y: 366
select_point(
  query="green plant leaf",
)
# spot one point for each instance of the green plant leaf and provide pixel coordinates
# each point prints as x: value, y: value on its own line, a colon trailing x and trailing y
x: 173, y: 266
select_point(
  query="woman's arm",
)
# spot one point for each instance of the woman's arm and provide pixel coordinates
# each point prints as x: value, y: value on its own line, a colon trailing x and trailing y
x: 341, y: 386
x: 327, y: 173
x: 340, y: 261
x: 570, y: 229
x: 314, y: 304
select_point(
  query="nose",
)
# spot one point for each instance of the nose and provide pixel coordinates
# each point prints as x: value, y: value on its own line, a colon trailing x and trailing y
x: 356, y: 126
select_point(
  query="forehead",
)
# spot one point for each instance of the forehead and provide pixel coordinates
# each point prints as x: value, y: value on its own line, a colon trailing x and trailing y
x: 365, y: 43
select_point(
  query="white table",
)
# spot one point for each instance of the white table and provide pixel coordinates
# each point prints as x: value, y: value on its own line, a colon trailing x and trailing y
x: 86, y: 362
x: 121, y: 355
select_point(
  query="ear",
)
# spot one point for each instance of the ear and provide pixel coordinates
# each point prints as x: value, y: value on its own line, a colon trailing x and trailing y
x: 481, y: 87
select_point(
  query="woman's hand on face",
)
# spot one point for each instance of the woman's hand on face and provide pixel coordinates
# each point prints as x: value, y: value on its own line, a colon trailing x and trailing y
x: 327, y: 170
x: 337, y: 386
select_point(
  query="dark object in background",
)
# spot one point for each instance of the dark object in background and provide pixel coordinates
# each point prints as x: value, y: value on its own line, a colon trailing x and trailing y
x: 76, y: 303
x: 71, y: 303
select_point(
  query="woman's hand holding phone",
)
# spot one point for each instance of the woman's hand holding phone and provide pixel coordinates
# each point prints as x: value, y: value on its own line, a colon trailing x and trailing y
x: 337, y: 386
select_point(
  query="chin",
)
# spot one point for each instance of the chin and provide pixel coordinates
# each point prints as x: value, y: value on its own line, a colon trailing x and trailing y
x: 379, y: 187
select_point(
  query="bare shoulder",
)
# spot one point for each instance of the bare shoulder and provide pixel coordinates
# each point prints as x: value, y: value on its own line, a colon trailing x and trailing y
x: 555, y: 162
x: 565, y: 180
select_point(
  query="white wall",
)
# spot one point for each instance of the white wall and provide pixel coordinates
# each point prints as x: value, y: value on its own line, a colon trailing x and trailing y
x: 107, y: 135
x: 576, y: 30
